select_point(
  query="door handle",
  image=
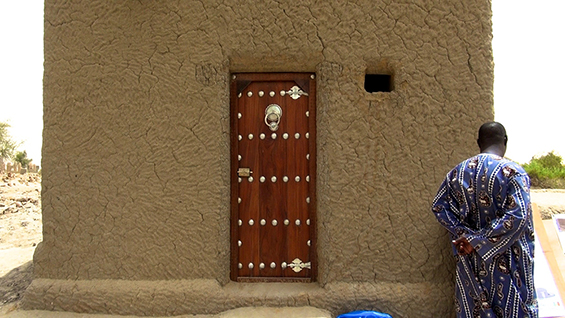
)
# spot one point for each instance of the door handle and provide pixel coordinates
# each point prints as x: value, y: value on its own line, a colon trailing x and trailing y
x: 273, y: 114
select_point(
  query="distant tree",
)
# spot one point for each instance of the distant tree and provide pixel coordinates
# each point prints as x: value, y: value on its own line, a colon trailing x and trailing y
x: 21, y: 157
x: 7, y: 145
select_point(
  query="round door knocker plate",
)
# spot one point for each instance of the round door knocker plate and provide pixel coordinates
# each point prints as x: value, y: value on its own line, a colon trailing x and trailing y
x: 273, y: 114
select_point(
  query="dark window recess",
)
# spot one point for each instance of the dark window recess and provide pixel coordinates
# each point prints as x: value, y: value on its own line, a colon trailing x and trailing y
x: 378, y: 83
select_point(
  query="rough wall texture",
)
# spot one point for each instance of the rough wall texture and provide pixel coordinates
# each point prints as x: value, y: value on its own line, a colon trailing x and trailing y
x: 136, y: 148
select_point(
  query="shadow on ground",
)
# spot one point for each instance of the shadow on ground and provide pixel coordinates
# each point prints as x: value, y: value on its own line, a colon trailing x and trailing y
x: 14, y: 284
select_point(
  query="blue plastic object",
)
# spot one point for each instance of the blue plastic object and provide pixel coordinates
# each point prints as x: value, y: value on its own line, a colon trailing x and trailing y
x: 364, y: 314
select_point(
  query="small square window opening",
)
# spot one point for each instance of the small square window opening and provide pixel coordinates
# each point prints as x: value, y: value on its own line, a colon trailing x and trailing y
x: 378, y: 83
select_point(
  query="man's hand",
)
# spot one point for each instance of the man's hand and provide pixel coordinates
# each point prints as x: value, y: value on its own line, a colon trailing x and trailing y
x: 463, y: 246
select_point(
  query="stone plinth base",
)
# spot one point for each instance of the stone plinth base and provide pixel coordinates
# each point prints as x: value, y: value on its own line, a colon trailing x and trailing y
x: 208, y: 297
x: 247, y: 312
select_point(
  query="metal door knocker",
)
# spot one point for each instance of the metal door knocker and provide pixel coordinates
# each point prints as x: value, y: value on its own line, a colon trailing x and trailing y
x: 273, y: 114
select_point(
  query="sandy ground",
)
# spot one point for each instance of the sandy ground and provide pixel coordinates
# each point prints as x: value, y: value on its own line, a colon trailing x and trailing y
x: 20, y: 232
x: 549, y: 202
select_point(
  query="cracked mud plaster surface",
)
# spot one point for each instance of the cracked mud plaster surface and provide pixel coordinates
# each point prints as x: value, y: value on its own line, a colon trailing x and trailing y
x: 136, y: 135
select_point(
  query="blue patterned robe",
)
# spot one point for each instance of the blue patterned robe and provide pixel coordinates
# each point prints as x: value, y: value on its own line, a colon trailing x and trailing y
x: 487, y: 199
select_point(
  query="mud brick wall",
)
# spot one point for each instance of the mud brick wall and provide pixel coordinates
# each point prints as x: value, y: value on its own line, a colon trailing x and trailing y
x: 137, y: 142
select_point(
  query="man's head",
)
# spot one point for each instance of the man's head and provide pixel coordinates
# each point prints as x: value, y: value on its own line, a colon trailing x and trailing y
x: 492, y: 138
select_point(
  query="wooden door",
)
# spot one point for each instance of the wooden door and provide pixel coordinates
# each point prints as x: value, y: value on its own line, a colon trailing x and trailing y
x: 273, y: 177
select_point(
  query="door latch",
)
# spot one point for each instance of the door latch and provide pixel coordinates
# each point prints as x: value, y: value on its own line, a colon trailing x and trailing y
x: 244, y: 172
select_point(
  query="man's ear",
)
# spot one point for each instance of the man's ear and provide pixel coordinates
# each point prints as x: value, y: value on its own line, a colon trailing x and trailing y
x: 505, y: 140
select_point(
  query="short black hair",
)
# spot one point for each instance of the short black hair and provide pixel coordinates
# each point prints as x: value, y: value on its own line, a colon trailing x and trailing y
x: 492, y: 133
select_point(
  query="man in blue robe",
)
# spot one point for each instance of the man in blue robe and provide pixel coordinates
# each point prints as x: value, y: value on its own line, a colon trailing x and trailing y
x: 484, y: 202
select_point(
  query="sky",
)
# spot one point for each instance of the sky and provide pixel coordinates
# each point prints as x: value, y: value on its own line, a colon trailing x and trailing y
x: 21, y: 69
x: 528, y: 45
x: 529, y: 75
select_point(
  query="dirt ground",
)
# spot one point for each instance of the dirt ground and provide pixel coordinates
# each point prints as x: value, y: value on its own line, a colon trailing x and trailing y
x: 549, y: 202
x: 21, y: 231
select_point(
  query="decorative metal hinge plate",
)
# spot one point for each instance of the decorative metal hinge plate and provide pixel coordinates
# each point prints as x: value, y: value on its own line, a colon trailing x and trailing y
x: 298, y: 266
x: 295, y: 92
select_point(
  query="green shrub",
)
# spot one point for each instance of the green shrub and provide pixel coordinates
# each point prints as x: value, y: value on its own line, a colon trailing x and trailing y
x: 546, y: 171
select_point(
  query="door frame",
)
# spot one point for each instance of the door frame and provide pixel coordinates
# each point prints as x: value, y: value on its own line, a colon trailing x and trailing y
x: 238, y: 82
